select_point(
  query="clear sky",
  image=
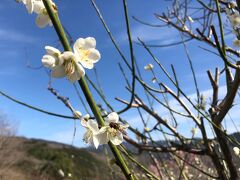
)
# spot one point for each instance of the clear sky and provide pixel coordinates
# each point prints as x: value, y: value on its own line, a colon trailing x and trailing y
x: 22, y: 46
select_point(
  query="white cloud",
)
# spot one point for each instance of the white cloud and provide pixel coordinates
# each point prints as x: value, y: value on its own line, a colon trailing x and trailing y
x: 148, y: 34
x: 16, y: 36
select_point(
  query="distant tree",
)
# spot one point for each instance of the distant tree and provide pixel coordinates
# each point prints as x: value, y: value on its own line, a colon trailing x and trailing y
x: 7, y: 145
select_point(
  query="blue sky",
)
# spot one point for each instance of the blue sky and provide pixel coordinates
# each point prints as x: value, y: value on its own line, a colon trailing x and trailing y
x: 22, y: 45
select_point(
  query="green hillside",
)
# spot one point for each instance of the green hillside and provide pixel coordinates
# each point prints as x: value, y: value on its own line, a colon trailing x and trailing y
x: 37, y: 159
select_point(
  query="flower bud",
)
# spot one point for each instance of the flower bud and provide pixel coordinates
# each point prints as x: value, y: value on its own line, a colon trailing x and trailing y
x: 148, y: 67
x: 77, y: 114
x: 48, y: 61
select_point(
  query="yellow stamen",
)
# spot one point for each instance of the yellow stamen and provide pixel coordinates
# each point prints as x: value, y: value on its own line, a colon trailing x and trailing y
x: 84, y: 54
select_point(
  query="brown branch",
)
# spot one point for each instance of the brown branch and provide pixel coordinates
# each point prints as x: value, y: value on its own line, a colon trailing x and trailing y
x: 214, y: 83
x: 144, y: 147
x: 196, y: 120
x: 158, y: 118
x: 227, y: 102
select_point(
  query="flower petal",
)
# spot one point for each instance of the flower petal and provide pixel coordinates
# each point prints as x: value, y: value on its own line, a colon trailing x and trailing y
x: 67, y: 55
x: 87, y: 137
x: 29, y: 5
x: 78, y: 73
x: 52, y: 51
x: 49, y: 61
x: 80, y: 70
x: 86, y: 43
x: 83, y: 122
x: 118, y: 139
x: 94, y: 55
x: 58, y: 72
x: 112, y: 117
x: 21, y: 1
x: 42, y: 20
x: 79, y: 44
x: 93, y: 126
x: 73, y: 77
x: 124, y: 127
x: 95, y: 142
x: 102, y: 130
x: 102, y: 138
x: 38, y: 7
x: 90, y: 42
x: 87, y: 64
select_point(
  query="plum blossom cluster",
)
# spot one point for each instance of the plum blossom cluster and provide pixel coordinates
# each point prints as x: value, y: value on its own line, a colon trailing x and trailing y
x: 37, y: 7
x: 69, y: 64
x: 72, y: 64
x: 234, y: 19
x: 112, y: 131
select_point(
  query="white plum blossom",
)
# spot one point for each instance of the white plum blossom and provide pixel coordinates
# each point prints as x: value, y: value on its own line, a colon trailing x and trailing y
x: 62, y: 64
x: 37, y: 6
x: 234, y: 19
x: 148, y: 67
x: 92, y: 135
x: 113, y: 130
x: 70, y: 64
x: 42, y: 19
x: 72, y: 69
x: 85, y: 51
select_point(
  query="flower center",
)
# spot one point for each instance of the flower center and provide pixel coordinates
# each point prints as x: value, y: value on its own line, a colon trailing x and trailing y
x: 44, y: 12
x: 84, y: 54
x: 112, y: 131
x: 69, y: 68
